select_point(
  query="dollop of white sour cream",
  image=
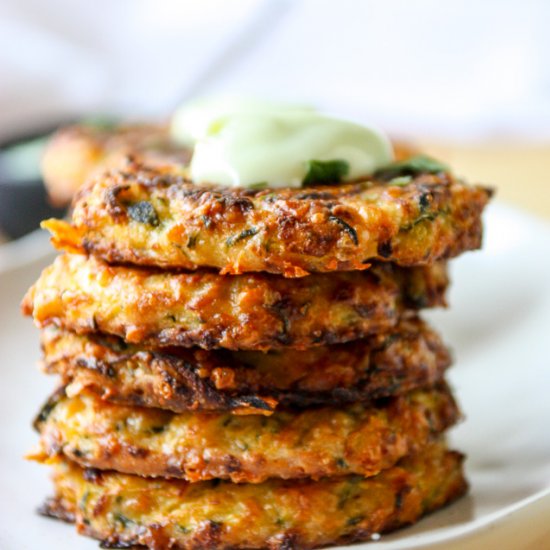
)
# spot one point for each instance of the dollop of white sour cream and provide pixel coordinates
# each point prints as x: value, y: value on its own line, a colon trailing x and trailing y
x: 252, y: 143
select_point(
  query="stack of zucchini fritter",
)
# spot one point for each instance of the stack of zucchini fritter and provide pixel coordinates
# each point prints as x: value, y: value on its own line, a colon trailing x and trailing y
x: 246, y: 368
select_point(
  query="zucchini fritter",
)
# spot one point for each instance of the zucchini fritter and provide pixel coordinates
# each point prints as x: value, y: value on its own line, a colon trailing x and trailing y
x: 316, y: 442
x: 252, y: 311
x: 124, y: 510
x: 409, y: 356
x: 75, y: 153
x: 155, y: 217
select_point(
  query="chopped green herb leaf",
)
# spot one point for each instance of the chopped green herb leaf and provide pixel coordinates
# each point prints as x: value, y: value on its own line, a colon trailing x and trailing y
x: 424, y: 202
x: 341, y: 463
x: 192, y: 240
x: 242, y: 445
x: 419, y: 164
x: 227, y: 421
x: 79, y: 453
x: 430, y: 216
x: 385, y: 248
x: 122, y: 519
x: 355, y: 520
x: 344, y: 497
x: 269, y: 197
x: 144, y: 212
x: 347, y: 228
x: 401, y: 181
x: 46, y: 411
x: 241, y: 236
x: 325, y: 172
x: 207, y: 221
x: 258, y: 185
x: 109, y: 372
x: 120, y: 425
x: 84, y: 500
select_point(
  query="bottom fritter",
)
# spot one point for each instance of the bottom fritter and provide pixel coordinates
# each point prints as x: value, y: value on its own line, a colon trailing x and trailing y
x: 124, y: 510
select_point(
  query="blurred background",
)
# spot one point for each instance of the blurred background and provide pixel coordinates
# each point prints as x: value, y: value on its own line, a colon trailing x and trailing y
x: 467, y: 81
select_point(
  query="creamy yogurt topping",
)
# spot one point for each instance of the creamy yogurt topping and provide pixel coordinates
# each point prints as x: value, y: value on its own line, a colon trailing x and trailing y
x: 251, y: 143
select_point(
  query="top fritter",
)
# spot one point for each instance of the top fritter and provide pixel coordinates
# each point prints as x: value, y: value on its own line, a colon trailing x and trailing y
x: 156, y: 217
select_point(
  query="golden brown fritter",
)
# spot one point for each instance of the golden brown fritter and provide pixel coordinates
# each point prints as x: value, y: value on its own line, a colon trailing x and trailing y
x: 171, y: 514
x: 154, y: 217
x: 252, y: 311
x: 315, y: 442
x: 409, y: 356
x: 75, y: 153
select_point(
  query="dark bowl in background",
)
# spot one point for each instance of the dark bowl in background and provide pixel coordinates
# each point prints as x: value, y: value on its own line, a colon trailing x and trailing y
x: 23, y: 198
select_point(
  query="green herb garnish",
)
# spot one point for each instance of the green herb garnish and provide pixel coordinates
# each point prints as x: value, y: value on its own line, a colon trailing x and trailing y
x: 401, y: 181
x: 325, y: 172
x: 355, y: 520
x: 144, y: 212
x: 414, y: 166
x: 346, y: 227
x: 84, y: 500
x: 47, y: 408
x: 427, y: 216
x: 258, y: 185
x: 245, y: 234
x: 341, y: 463
x: 157, y: 429
x: 122, y: 519
x: 192, y: 240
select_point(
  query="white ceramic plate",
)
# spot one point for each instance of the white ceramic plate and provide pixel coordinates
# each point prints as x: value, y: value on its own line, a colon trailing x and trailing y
x: 499, y: 327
